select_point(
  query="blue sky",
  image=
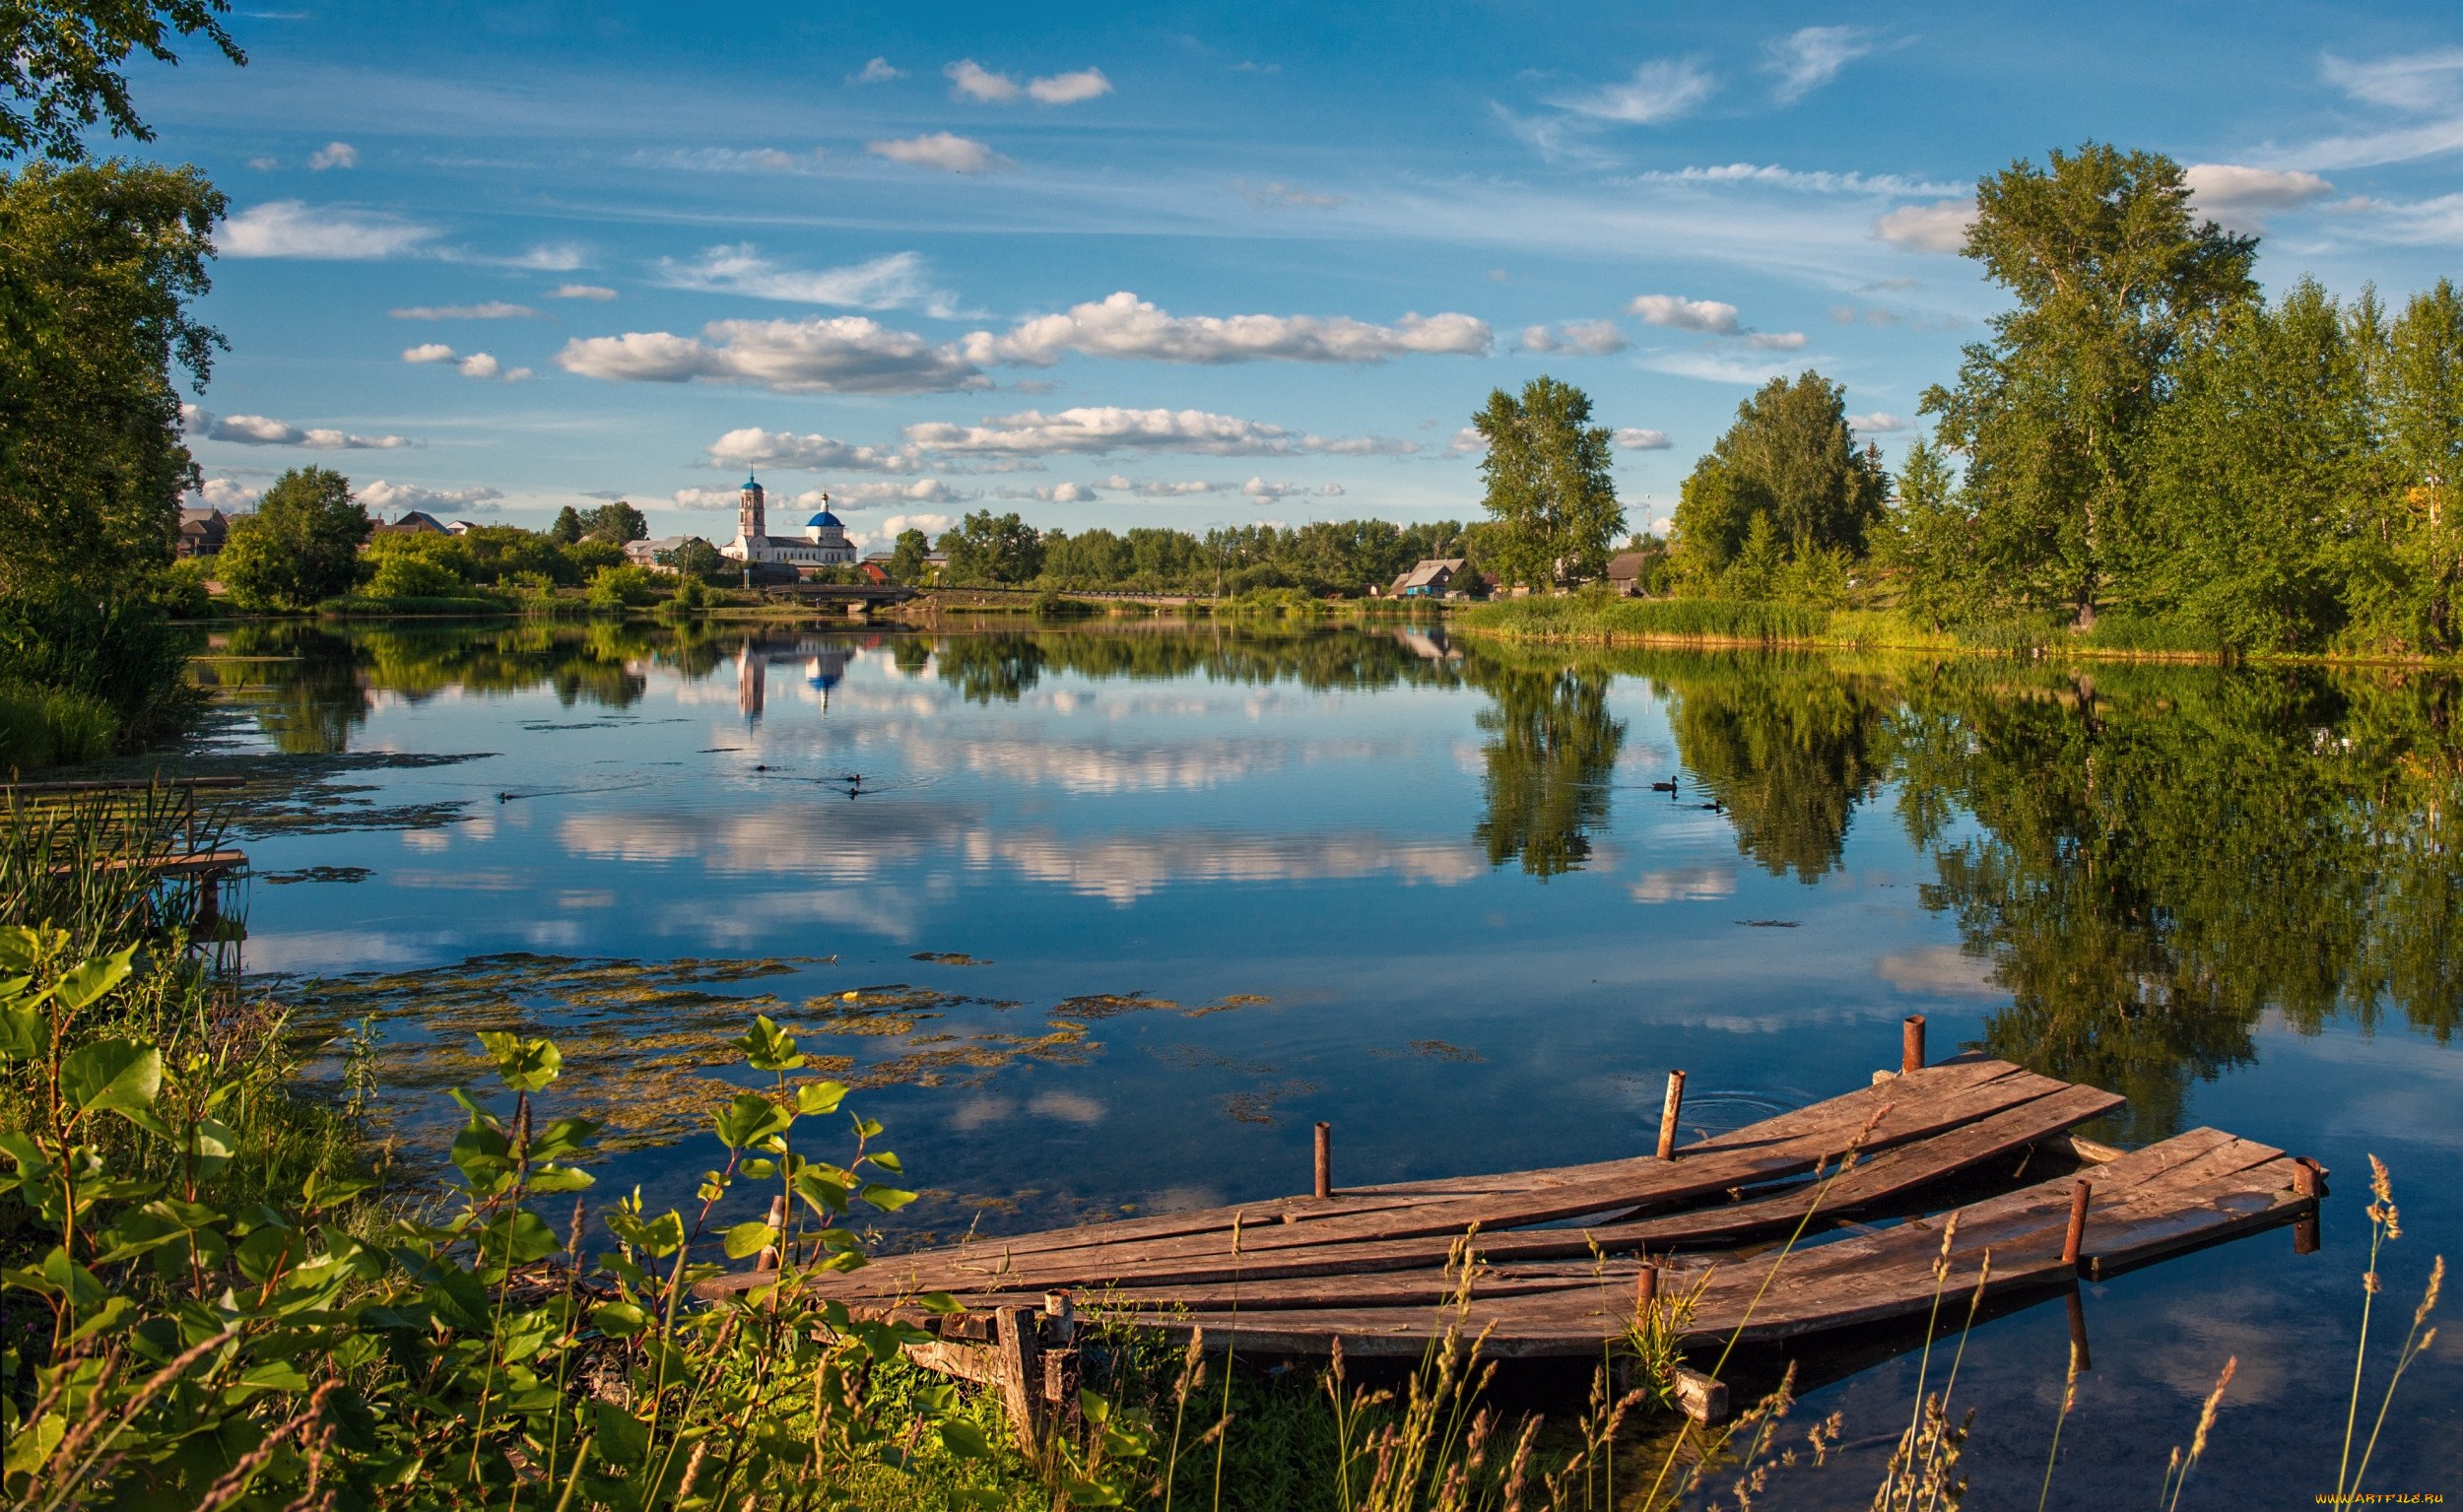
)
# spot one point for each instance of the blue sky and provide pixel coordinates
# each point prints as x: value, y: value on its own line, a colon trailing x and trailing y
x: 1184, y: 265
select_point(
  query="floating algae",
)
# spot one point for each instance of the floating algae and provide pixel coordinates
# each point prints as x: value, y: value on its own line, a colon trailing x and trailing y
x: 1109, y: 1004
x: 1435, y: 1049
x: 1225, y: 1004
x: 948, y: 958
x: 316, y: 873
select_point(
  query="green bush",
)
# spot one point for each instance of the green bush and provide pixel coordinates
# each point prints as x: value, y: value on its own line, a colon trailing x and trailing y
x: 122, y: 652
x: 1597, y: 616
x: 180, y: 589
x: 623, y: 588
x: 49, y: 727
x: 2121, y: 631
x: 405, y: 575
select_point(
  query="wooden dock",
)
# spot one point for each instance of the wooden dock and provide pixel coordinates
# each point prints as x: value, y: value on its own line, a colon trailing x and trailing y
x: 1559, y: 1256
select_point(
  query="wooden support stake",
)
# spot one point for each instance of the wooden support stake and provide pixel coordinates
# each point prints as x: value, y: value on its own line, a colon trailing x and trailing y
x: 1667, y: 1115
x: 1060, y: 1318
x: 1703, y: 1400
x: 2070, y: 1242
x: 1060, y: 1391
x: 1911, y: 1042
x: 2079, y: 1357
x: 2307, y: 1180
x: 1021, y: 1372
x: 768, y: 1259
x: 1325, y: 1160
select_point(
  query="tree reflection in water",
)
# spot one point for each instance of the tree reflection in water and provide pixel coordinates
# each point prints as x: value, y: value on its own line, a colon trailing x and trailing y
x: 2147, y: 859
x: 1550, y: 749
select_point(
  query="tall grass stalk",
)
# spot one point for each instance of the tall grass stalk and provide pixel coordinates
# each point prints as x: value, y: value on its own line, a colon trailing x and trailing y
x: 1847, y: 1162
x: 2069, y: 1400
x: 2415, y: 1344
x: 2198, y: 1440
x: 1949, y: 1389
x: 2385, y: 1222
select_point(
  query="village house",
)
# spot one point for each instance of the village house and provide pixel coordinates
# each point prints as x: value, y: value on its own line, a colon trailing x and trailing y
x: 1428, y: 581
x: 417, y: 522
x: 201, y: 533
x: 646, y: 554
x: 1625, y: 574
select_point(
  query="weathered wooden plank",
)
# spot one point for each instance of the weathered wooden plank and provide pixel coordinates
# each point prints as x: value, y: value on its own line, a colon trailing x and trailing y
x: 1275, y: 1250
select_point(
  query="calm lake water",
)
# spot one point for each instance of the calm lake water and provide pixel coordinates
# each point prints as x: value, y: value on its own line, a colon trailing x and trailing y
x: 1206, y: 886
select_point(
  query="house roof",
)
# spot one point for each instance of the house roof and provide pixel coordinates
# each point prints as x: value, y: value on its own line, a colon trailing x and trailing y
x: 1627, y: 567
x: 1425, y: 574
x: 417, y: 520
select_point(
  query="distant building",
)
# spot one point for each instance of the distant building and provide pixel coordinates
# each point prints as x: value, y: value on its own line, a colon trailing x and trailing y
x: 201, y: 533
x: 823, y: 543
x: 876, y: 570
x: 1627, y: 572
x: 646, y: 554
x: 463, y: 527
x: 1428, y: 581
x: 417, y: 522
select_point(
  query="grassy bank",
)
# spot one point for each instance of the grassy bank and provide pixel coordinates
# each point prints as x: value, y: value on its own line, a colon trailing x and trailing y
x: 1585, y: 619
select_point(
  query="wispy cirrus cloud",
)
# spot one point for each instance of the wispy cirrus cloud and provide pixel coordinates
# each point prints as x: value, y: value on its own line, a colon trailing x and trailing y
x: 1282, y: 196
x: 1812, y: 56
x: 730, y: 160
x: 333, y: 155
x: 1659, y: 90
x: 493, y: 309
x: 892, y: 281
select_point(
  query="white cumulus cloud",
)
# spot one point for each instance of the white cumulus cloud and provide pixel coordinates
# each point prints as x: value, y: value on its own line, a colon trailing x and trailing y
x: 845, y: 355
x: 872, y: 495
x: 1880, y: 422
x: 2239, y: 198
x: 944, y: 150
x: 1661, y: 90
x: 333, y: 155
x: 1635, y: 438
x: 265, y: 430
x: 1587, y: 338
x: 593, y: 292
x: 386, y: 496
x: 1096, y: 429
x: 320, y: 232
x: 878, y: 71
x: 753, y: 447
x: 1941, y: 227
x: 1069, y: 88
x: 228, y: 494
x: 428, y: 352
x: 1711, y: 317
x: 970, y: 79
x: 1126, y: 326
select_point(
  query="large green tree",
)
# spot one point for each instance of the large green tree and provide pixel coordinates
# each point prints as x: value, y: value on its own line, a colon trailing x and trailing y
x: 988, y: 547
x: 300, y: 546
x: 1551, y: 500
x: 616, y: 522
x: 908, y: 554
x: 1927, y: 540
x: 60, y: 66
x: 97, y: 266
x: 2115, y: 282
x: 1789, y: 457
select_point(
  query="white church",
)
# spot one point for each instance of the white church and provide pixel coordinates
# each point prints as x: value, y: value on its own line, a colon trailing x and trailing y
x: 823, y: 543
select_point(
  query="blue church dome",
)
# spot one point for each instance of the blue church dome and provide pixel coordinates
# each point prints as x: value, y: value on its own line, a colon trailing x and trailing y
x: 826, y: 518
x: 752, y: 482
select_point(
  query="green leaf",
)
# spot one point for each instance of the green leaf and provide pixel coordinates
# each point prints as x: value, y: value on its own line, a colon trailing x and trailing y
x: 22, y: 1034
x: 819, y: 1096
x: 887, y: 1198
x: 559, y: 1178
x: 212, y: 1145
x: 749, y: 1121
x: 766, y: 1048
x: 619, y: 1320
x: 111, y: 1074
x: 963, y: 1439
x: 938, y: 1302
x: 523, y: 1064
x: 888, y: 1161
x: 748, y: 1239
x: 90, y: 979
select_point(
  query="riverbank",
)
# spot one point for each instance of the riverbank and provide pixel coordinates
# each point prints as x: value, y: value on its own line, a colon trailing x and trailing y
x: 1578, y: 619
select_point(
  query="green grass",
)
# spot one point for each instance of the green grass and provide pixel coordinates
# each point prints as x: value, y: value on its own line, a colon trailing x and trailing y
x: 367, y: 605
x: 52, y: 727
x: 1596, y: 618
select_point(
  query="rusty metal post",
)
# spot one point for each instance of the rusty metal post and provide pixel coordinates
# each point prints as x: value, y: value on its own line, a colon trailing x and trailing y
x: 1646, y: 1289
x: 1668, y: 1114
x: 2306, y: 1181
x: 1911, y: 1043
x: 2070, y: 1242
x: 1325, y: 1160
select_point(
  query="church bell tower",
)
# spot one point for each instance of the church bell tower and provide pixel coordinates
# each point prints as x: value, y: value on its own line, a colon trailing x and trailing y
x: 752, y: 522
